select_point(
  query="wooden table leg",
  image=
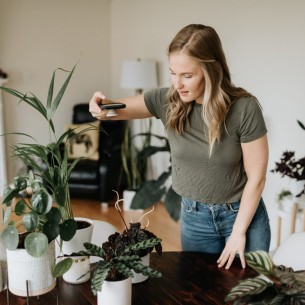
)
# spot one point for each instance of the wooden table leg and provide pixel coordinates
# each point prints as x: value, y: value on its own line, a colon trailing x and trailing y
x: 294, y: 218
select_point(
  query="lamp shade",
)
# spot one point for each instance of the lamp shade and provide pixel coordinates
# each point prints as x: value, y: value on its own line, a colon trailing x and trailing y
x: 139, y: 74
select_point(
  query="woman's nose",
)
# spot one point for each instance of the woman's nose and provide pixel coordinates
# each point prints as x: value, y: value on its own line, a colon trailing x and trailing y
x: 178, y: 83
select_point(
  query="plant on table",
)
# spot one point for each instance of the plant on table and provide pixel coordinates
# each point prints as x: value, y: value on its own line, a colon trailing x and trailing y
x: 120, y: 255
x: 274, y: 284
x: 49, y: 184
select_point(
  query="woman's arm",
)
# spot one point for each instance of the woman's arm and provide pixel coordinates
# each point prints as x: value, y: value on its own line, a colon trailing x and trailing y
x: 135, y: 108
x: 255, y: 158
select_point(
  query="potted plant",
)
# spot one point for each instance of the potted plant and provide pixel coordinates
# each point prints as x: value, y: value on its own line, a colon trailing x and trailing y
x: 290, y: 166
x: 134, y: 169
x: 151, y: 191
x: 31, y: 253
x: 48, y: 162
x: 121, y: 259
x: 274, y: 284
x: 284, y: 200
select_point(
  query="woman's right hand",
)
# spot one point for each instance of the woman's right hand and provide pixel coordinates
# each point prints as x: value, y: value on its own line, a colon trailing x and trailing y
x: 94, y: 107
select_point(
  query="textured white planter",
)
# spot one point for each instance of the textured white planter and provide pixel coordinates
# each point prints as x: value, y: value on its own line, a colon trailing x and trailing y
x: 139, y: 277
x: 37, y: 270
x: 115, y: 293
x: 76, y: 244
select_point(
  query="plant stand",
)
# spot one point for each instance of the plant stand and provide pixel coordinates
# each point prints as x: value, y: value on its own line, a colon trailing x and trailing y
x: 27, y: 295
x: 293, y: 218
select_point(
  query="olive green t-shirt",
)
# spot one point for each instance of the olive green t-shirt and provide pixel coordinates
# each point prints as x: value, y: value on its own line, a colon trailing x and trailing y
x: 220, y: 178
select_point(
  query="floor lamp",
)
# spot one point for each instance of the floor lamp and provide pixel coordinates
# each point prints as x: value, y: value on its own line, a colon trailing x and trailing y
x: 139, y: 75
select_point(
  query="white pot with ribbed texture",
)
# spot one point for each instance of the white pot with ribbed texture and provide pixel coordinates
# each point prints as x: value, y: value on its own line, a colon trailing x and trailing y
x: 115, y: 293
x: 139, y: 277
x: 37, y: 270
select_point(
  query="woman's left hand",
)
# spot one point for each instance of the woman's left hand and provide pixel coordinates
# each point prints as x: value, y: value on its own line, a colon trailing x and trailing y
x: 235, y: 245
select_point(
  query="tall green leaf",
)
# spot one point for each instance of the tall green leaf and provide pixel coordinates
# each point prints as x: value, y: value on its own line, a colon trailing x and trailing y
x: 52, y: 108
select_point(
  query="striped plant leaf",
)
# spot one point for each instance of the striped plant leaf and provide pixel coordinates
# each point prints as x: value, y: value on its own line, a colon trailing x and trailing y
x: 247, y: 288
x: 148, y: 243
x: 94, y: 250
x: 145, y: 270
x: 260, y: 261
x: 99, y: 276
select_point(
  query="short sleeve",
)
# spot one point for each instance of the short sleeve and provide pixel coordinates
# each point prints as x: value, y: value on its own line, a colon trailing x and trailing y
x: 252, y: 124
x: 155, y: 101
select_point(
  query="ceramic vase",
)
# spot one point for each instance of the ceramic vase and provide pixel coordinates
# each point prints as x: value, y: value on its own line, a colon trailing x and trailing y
x: 23, y: 267
x: 81, y: 264
x: 115, y: 293
x: 139, y: 277
x: 128, y: 196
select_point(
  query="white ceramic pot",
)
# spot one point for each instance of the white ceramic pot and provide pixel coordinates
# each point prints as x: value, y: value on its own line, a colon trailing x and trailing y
x: 139, y: 277
x: 81, y: 236
x: 287, y: 204
x: 115, y: 293
x: 37, y: 270
x: 76, y: 244
x: 79, y: 271
x: 127, y: 199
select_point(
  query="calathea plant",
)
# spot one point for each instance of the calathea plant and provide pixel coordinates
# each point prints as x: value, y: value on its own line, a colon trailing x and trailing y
x: 121, y: 255
x: 118, y: 262
x: 274, y: 285
x: 50, y: 166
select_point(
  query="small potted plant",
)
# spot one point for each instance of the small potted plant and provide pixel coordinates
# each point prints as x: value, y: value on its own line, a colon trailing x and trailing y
x: 135, y: 233
x: 30, y: 238
x: 125, y: 257
x: 285, y: 200
x: 274, y: 284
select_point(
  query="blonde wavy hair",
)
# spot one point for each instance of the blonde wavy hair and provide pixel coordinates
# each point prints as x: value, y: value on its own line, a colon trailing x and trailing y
x: 203, y: 44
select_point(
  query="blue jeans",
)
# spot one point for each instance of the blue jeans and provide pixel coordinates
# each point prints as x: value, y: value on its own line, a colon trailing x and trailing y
x: 206, y: 227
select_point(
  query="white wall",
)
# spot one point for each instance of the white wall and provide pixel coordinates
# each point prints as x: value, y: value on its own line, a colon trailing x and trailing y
x: 38, y: 36
x: 265, y: 46
x: 263, y: 40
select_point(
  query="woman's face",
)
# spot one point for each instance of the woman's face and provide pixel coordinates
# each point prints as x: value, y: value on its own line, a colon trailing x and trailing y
x: 187, y: 77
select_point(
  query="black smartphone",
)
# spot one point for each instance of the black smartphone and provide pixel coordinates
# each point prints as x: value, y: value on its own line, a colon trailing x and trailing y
x: 112, y: 106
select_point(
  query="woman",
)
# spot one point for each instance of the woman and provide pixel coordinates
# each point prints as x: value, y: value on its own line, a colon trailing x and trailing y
x: 218, y: 145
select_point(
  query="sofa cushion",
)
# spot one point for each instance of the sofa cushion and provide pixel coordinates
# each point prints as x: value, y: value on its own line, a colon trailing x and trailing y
x: 86, y: 143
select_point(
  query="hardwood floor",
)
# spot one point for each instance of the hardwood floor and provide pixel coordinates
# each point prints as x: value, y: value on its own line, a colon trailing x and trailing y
x: 160, y: 222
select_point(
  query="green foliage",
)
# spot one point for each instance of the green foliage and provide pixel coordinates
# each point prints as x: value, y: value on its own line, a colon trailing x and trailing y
x: 50, y: 164
x: 119, y: 264
x: 120, y: 255
x: 149, y: 192
x: 42, y: 222
x: 275, y: 284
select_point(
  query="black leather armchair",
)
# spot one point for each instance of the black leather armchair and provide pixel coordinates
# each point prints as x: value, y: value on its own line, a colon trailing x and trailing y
x: 97, y: 178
